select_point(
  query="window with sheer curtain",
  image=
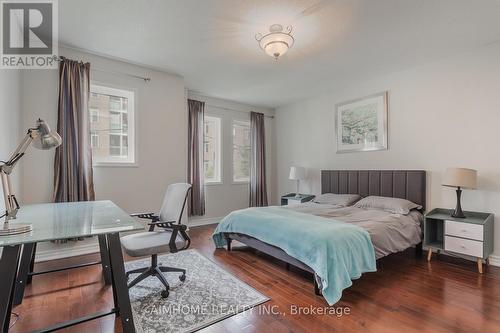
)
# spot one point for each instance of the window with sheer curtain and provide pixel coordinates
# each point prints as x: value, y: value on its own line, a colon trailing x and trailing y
x: 212, y: 150
x: 241, y: 151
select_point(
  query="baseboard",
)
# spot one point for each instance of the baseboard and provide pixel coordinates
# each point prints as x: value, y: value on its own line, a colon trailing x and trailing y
x: 61, y: 251
x: 495, y: 261
x: 200, y: 222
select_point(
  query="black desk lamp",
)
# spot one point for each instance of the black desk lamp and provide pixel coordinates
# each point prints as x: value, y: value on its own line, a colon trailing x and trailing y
x: 460, y: 178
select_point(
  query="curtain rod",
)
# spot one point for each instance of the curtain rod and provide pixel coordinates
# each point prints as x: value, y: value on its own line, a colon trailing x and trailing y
x: 145, y: 79
x: 228, y: 109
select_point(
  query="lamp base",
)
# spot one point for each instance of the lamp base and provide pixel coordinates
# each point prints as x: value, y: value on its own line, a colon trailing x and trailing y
x: 297, y: 194
x: 9, y: 229
x: 458, y: 213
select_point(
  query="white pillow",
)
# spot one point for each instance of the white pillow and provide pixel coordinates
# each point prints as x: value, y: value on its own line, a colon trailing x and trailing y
x: 392, y: 205
x: 343, y: 200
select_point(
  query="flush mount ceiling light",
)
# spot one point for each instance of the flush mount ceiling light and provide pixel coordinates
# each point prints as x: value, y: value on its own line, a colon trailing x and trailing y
x: 276, y: 42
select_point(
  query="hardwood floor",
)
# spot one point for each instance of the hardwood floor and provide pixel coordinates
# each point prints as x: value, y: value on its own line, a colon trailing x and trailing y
x: 407, y: 294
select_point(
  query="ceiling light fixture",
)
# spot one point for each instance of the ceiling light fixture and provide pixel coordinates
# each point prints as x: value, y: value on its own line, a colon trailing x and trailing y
x: 277, y: 42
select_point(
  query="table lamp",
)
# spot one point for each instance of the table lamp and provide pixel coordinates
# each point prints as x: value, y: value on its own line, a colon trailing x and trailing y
x: 297, y: 173
x: 42, y: 138
x: 460, y: 178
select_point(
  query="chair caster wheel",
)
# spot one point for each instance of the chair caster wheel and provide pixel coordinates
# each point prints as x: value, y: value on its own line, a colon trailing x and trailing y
x: 164, y: 293
x: 182, y: 277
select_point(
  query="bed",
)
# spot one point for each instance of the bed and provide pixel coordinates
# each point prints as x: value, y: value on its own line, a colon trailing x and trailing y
x: 349, y: 252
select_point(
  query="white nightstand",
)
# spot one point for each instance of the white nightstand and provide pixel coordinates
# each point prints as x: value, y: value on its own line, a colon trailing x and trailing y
x: 471, y: 236
x: 290, y: 199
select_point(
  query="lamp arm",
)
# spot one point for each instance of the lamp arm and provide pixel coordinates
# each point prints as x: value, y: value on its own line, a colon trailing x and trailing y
x: 11, y: 204
x: 6, y: 193
x: 18, y: 153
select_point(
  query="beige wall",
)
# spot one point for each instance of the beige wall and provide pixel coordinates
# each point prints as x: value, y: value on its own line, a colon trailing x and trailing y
x: 443, y: 114
x: 10, y: 121
x: 222, y: 199
x: 161, y: 134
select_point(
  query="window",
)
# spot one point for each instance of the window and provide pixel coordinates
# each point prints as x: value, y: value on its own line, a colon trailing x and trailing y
x: 112, y: 125
x: 94, y: 140
x: 212, y: 149
x: 241, y: 151
x: 94, y: 115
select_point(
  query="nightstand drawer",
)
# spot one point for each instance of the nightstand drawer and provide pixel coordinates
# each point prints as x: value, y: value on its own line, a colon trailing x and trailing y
x: 466, y: 230
x: 463, y: 246
x: 293, y: 202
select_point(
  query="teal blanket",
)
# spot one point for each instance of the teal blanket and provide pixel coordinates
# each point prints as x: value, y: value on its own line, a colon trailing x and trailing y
x: 338, y: 252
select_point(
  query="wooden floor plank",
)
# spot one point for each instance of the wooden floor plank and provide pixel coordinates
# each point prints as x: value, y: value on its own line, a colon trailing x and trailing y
x: 407, y: 294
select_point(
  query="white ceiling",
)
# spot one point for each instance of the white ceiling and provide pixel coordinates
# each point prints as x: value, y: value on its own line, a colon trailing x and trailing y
x: 211, y: 42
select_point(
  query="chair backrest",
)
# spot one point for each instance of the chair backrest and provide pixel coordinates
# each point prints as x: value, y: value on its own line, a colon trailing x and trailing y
x: 174, y: 202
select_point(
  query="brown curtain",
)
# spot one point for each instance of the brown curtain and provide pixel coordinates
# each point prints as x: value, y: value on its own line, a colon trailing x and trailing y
x: 258, y: 186
x: 73, y: 178
x: 196, y: 175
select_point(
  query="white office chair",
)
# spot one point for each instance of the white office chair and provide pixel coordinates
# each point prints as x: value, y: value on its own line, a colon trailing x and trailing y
x: 171, y: 238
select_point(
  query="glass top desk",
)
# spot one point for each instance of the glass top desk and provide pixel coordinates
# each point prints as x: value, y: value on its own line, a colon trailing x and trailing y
x: 55, y: 221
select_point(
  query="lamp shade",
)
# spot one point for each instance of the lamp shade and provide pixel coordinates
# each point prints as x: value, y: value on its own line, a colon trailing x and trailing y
x: 297, y: 173
x: 460, y: 177
x: 44, y: 138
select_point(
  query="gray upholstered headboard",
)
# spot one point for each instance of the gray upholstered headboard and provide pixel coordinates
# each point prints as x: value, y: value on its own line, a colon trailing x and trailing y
x: 405, y: 184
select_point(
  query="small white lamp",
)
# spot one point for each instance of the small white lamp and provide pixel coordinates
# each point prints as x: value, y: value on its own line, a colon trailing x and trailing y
x: 297, y: 173
x: 460, y: 178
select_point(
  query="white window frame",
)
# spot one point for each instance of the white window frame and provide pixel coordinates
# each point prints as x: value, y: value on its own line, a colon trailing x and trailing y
x: 237, y: 122
x: 130, y: 94
x: 218, y: 152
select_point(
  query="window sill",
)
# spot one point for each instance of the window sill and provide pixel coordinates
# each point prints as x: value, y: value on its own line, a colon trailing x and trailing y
x: 213, y: 183
x: 115, y: 165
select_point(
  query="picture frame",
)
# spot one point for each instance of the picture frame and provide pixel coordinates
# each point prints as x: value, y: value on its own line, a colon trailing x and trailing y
x: 361, y: 124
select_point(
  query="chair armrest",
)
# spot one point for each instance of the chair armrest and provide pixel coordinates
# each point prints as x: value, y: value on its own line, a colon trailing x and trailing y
x: 169, y: 225
x: 149, y: 216
x: 176, y: 229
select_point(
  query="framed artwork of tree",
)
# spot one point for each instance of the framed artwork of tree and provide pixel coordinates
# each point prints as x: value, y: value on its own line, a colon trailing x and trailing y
x: 361, y: 124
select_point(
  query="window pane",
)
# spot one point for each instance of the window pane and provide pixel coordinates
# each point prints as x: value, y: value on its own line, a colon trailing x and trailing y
x: 115, y: 103
x: 110, y: 117
x: 114, y: 140
x: 211, y: 149
x: 94, y: 141
x: 241, y: 151
x: 114, y: 151
x: 115, y: 121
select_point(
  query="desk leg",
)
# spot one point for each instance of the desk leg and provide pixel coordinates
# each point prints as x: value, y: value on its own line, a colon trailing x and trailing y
x: 32, y: 265
x: 24, y: 270
x: 120, y: 283
x: 106, y: 269
x: 8, y: 270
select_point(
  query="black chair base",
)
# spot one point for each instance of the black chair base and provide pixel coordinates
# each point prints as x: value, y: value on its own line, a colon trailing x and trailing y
x: 155, y: 270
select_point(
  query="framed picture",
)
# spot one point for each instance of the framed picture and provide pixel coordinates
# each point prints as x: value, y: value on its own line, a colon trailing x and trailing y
x: 361, y: 124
